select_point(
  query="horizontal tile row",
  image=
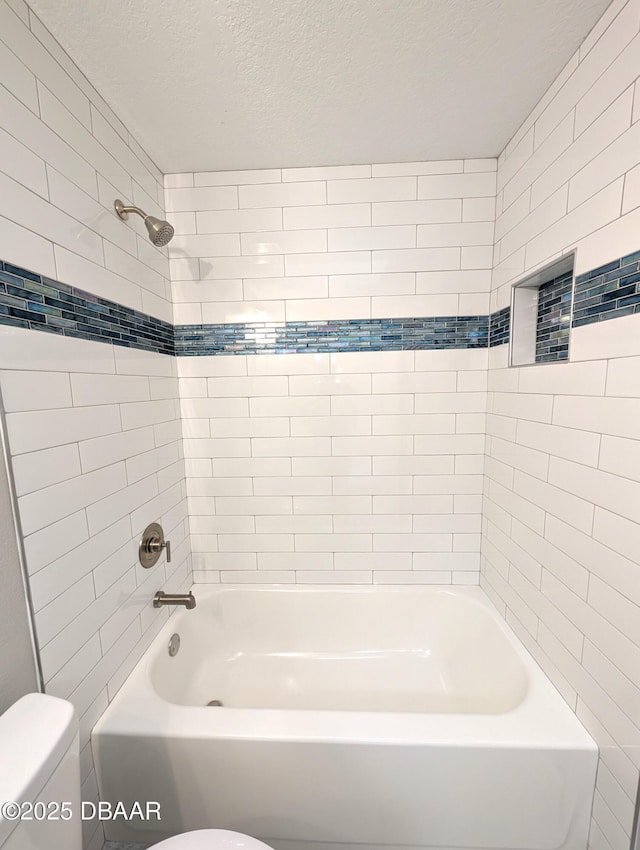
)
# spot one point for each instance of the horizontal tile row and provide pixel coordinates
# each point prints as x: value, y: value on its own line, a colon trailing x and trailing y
x: 440, y: 211
x: 28, y: 300
x: 309, y: 240
x: 608, y: 292
x: 348, y: 335
x: 331, y: 172
x: 320, y: 192
x: 308, y: 546
x: 326, y: 574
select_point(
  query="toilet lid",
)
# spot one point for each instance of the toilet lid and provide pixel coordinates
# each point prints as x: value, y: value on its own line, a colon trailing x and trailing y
x: 211, y: 839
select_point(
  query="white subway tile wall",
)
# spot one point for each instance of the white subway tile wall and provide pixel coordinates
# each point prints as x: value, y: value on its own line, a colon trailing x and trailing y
x: 351, y: 467
x: 333, y: 243
x: 93, y: 430
x: 355, y: 467
x: 96, y: 450
x: 561, y: 516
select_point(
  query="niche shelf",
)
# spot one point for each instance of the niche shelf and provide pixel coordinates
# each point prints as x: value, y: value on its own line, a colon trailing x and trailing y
x: 541, y: 315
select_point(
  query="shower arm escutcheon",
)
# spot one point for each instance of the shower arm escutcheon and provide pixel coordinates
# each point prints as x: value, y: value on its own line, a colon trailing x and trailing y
x: 151, y: 545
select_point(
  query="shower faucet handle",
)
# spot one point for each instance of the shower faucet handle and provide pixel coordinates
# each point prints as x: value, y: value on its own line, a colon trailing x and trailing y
x: 158, y: 546
x: 152, y: 544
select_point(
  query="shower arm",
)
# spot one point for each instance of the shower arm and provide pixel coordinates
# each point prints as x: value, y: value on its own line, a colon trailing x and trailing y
x: 123, y: 211
x: 160, y: 232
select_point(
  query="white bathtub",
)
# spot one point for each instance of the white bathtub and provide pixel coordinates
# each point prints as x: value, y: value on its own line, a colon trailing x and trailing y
x: 395, y: 717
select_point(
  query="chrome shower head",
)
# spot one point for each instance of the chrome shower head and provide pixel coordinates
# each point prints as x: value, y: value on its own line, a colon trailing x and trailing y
x: 160, y: 232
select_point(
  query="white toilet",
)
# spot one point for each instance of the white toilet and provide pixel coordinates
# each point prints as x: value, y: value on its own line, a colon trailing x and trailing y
x: 40, y: 771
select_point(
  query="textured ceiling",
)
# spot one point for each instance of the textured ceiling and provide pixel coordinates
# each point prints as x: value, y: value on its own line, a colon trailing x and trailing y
x: 233, y: 84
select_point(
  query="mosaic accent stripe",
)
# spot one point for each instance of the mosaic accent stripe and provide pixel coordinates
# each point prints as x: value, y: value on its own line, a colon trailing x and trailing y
x: 554, y: 319
x: 347, y: 335
x: 500, y: 327
x: 28, y: 300
x: 608, y: 292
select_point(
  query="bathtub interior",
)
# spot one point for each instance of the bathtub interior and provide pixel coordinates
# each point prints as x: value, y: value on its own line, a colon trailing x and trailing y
x: 343, y: 650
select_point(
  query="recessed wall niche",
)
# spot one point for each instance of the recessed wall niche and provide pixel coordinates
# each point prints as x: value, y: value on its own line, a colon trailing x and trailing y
x: 541, y: 315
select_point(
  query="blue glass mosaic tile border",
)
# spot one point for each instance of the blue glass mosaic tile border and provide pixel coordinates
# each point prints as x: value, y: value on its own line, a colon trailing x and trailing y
x: 608, y: 292
x: 28, y: 300
x: 554, y: 319
x: 334, y: 336
x: 32, y: 301
x: 500, y: 327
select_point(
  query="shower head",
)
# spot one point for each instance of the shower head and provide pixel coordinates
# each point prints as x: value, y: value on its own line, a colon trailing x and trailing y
x: 160, y: 232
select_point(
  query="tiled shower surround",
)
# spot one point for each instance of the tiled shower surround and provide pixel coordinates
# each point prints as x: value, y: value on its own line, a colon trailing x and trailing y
x: 386, y: 450
x: 561, y: 509
x: 93, y: 428
x: 361, y: 459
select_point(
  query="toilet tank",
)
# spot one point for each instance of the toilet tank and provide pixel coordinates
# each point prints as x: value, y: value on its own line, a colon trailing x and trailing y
x: 39, y: 771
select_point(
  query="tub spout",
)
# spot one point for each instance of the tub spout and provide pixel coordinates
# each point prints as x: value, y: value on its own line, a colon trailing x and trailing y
x: 161, y: 598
